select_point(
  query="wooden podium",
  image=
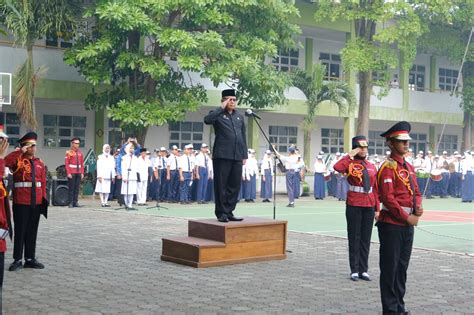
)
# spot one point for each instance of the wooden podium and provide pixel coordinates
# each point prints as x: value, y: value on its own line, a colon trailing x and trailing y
x: 212, y: 243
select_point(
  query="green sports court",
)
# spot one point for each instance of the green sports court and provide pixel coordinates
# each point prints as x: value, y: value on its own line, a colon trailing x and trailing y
x: 447, y: 224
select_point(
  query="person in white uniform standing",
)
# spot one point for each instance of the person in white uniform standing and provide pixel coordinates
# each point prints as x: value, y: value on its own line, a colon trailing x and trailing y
x: 129, y: 176
x: 142, y: 185
x: 105, y: 175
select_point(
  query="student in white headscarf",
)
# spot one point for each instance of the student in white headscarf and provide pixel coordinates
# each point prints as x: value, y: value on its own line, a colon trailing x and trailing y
x: 105, y: 174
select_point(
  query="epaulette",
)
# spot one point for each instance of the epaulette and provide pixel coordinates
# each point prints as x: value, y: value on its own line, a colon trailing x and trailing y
x: 390, y: 163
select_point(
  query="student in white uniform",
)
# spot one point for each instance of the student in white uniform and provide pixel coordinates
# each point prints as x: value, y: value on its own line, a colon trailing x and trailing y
x: 319, y: 171
x: 142, y: 185
x: 267, y: 177
x: 105, y: 175
x: 291, y: 164
x: 129, y: 176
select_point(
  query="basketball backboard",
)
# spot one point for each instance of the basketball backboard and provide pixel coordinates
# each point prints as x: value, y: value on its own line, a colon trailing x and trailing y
x: 5, y: 88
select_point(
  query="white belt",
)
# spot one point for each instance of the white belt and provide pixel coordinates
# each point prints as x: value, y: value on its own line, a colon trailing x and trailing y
x: 74, y: 166
x: 26, y: 184
x: 359, y: 189
x: 406, y: 209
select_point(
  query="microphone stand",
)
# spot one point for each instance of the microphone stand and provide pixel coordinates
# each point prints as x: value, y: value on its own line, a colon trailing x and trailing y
x: 157, y: 205
x: 275, y: 157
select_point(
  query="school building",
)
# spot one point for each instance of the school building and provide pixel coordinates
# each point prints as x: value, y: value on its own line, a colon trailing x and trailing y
x: 421, y: 96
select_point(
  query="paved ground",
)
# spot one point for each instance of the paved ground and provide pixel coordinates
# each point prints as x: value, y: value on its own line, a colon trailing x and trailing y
x: 109, y: 262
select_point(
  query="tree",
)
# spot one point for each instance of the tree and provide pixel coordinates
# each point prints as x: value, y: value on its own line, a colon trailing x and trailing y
x: 29, y: 21
x: 450, y: 40
x: 317, y: 91
x: 379, y: 27
x: 222, y: 41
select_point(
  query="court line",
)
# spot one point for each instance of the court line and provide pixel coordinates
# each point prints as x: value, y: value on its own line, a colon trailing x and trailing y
x: 374, y: 228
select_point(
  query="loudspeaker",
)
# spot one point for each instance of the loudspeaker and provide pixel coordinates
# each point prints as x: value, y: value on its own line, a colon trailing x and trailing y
x: 60, y: 193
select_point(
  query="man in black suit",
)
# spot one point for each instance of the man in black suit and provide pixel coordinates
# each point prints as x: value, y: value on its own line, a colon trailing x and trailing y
x: 229, y: 154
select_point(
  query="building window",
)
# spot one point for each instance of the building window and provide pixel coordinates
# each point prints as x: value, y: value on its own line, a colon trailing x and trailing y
x: 376, y: 143
x: 418, y: 142
x: 283, y: 137
x: 332, y: 140
x: 448, y: 143
x: 182, y: 133
x: 114, y: 133
x: 59, y: 130
x: 447, y: 79
x: 53, y: 40
x: 11, y: 125
x: 416, y: 78
x: 286, y: 60
x: 333, y: 65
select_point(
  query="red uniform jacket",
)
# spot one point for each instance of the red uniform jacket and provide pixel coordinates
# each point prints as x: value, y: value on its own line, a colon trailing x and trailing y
x: 74, y: 162
x: 394, y: 190
x: 359, y: 199
x: 20, y: 166
x: 3, y: 209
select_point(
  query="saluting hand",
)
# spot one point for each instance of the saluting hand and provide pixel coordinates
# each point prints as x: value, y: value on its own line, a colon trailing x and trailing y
x: 3, y: 147
x: 224, y: 104
x: 354, y: 152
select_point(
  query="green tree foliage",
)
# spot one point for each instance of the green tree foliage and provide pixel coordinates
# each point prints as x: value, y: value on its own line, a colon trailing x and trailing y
x: 28, y: 21
x: 221, y: 40
x: 317, y: 90
x: 382, y: 29
x: 449, y: 38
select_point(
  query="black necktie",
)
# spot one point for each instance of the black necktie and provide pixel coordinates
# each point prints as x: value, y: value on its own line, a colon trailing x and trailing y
x: 459, y: 167
x: 77, y: 161
x: 365, y: 178
x: 33, y: 184
x: 189, y: 165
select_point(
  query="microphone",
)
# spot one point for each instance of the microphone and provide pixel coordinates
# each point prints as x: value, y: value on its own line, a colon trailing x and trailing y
x: 250, y: 113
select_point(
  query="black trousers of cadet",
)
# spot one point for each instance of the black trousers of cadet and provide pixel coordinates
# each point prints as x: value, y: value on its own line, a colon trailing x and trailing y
x: 396, y: 243
x: 26, y: 220
x: 359, y: 230
x: 2, y: 269
x: 227, y: 180
x: 74, y: 184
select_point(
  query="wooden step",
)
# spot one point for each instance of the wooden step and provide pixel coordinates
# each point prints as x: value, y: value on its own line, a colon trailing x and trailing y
x: 251, y: 229
x: 212, y: 243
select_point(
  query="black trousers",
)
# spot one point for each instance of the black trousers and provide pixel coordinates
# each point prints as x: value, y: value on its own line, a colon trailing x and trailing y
x: 2, y: 269
x: 359, y: 231
x: 74, y: 184
x: 118, y: 191
x: 396, y: 243
x: 227, y: 180
x: 26, y: 220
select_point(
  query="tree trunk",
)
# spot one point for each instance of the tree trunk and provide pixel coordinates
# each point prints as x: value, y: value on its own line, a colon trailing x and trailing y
x: 307, y: 147
x: 467, y: 132
x: 365, y: 89
x: 468, y: 105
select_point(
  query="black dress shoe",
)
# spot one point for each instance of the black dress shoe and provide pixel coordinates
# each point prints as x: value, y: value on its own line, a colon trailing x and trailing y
x: 290, y: 205
x: 76, y: 205
x: 223, y: 218
x: 33, y: 263
x: 232, y: 218
x: 16, y: 265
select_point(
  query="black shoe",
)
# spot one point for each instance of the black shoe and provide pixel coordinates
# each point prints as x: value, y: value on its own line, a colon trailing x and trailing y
x: 354, y: 277
x: 33, y: 263
x: 223, y: 218
x: 232, y: 218
x: 132, y: 209
x: 76, y: 205
x: 16, y: 265
x: 290, y: 205
x: 71, y: 206
x: 365, y: 276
